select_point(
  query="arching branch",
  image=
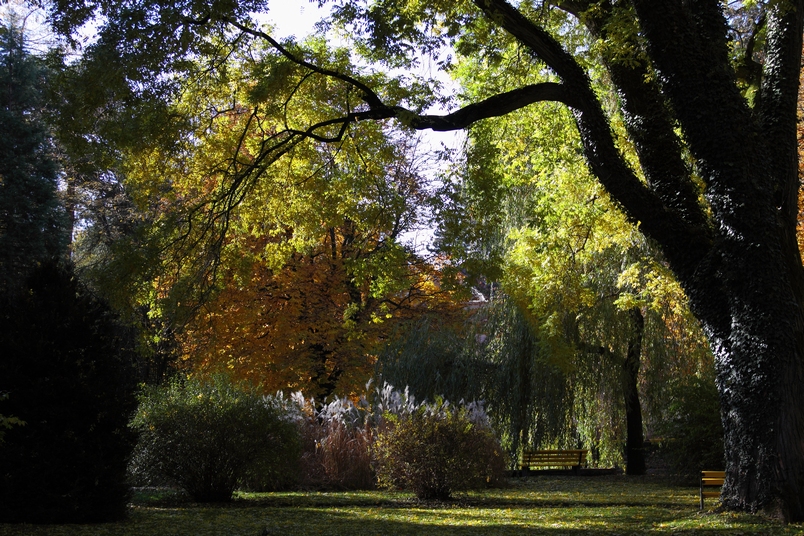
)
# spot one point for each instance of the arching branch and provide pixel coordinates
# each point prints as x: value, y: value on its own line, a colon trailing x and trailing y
x: 495, y: 106
x: 369, y: 95
x: 658, y: 220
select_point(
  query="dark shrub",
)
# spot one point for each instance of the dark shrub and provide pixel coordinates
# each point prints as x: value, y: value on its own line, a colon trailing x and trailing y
x: 436, y: 450
x: 67, y: 367
x: 693, y: 429
x: 209, y: 437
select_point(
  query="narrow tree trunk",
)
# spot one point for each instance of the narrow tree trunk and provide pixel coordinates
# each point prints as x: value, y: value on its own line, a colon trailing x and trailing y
x: 521, y: 414
x: 634, y: 450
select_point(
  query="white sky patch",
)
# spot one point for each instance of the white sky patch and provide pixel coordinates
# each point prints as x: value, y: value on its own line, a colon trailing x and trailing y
x: 294, y: 17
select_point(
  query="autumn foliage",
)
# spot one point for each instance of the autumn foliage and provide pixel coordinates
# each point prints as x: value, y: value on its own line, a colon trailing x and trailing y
x: 314, y: 324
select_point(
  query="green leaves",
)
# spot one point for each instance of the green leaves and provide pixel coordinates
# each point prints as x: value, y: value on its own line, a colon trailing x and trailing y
x: 210, y: 436
x: 397, y: 32
x: 437, y: 450
x: 524, y: 208
x: 33, y: 224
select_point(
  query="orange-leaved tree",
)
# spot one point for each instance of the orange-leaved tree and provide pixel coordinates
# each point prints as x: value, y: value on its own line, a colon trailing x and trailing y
x: 314, y: 323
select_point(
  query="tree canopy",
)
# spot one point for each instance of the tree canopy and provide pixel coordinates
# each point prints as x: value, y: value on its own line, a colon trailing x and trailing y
x: 705, y: 92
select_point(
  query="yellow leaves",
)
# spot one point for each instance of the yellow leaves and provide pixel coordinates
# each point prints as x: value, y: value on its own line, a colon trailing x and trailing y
x: 294, y: 243
x: 647, y: 283
x: 626, y: 301
x: 300, y: 325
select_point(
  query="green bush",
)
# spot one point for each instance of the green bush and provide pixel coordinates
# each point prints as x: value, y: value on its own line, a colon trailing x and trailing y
x: 692, y: 428
x: 210, y: 437
x: 436, y: 450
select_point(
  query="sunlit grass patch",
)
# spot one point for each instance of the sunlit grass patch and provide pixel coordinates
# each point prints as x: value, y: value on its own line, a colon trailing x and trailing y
x: 576, y: 506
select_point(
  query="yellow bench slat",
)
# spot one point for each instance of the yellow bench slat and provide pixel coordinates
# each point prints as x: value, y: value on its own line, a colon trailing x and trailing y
x: 552, y: 458
x: 710, y: 479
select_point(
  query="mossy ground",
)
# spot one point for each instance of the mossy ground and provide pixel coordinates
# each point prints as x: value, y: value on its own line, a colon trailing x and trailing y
x: 539, y: 505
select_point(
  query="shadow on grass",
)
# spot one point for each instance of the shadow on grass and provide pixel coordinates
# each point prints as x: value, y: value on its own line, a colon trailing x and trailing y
x: 317, y: 499
x: 540, y: 506
x: 461, y: 521
x: 235, y: 520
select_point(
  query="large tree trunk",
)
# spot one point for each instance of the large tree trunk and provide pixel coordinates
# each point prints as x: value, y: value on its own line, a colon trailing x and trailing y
x: 746, y: 290
x: 753, y: 317
x: 759, y: 376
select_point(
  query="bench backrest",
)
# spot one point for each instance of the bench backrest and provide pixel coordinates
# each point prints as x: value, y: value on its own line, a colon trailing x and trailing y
x: 713, y: 474
x: 709, y: 480
x: 553, y: 458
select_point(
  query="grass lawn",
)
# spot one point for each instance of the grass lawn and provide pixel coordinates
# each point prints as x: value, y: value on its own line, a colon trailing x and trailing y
x: 539, y: 505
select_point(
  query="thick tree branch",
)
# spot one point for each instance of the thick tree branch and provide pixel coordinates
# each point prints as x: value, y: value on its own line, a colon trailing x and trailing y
x: 778, y: 105
x: 535, y: 38
x: 497, y: 106
x: 688, y: 48
x: 778, y: 120
x: 658, y: 221
x: 649, y: 123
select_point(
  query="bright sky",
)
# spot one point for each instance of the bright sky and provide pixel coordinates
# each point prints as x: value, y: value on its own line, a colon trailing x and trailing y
x: 294, y: 17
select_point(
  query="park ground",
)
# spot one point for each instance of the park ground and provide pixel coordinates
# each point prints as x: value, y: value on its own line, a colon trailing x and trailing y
x: 557, y: 505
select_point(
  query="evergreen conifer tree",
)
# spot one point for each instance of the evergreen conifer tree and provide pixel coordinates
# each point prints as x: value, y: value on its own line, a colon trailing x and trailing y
x: 31, y: 218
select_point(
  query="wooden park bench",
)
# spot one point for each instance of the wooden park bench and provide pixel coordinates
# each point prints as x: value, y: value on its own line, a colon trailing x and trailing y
x: 552, y: 459
x: 709, y: 481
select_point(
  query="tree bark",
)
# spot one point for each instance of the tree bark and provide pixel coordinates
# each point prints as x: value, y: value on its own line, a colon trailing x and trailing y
x: 634, y: 446
x: 746, y: 291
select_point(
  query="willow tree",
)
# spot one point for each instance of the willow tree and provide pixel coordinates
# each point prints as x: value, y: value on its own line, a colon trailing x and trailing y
x: 714, y: 182
x: 608, y: 315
